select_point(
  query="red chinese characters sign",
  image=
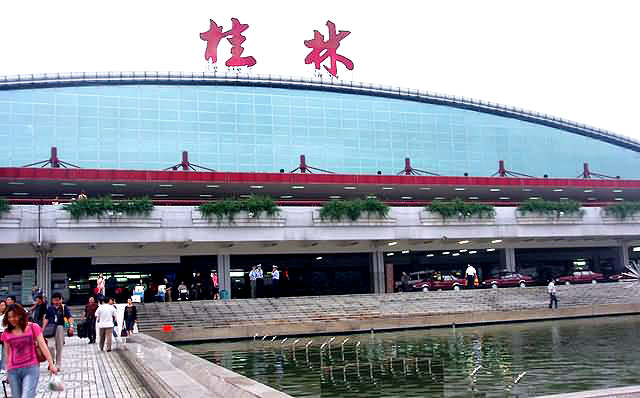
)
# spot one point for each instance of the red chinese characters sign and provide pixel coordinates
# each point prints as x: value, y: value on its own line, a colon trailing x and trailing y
x: 321, y: 49
x: 215, y: 34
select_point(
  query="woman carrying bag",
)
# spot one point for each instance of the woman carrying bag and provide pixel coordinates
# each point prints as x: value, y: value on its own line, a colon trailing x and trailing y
x: 130, y: 318
x: 24, y: 348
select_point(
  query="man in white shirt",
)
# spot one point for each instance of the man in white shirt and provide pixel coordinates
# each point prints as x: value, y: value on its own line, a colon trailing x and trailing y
x: 105, y: 314
x: 471, y: 276
x: 551, y: 288
x: 275, y: 281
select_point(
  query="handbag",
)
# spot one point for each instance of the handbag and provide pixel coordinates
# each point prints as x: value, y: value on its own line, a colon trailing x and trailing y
x: 124, y: 332
x: 39, y: 354
x: 49, y: 330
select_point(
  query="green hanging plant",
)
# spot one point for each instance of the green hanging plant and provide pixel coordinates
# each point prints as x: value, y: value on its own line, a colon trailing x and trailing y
x: 254, y: 205
x: 459, y: 208
x: 551, y: 208
x: 100, y: 207
x: 623, y: 210
x: 5, y: 207
x: 336, y: 210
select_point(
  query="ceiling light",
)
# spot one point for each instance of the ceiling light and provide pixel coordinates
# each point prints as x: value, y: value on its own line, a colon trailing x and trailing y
x: 20, y: 193
x: 439, y: 198
x: 473, y: 198
x: 473, y: 251
x: 350, y: 188
x: 407, y: 197
x: 297, y: 187
x: 564, y: 198
x: 463, y: 250
x: 165, y: 185
x: 617, y: 190
x: 527, y: 189
x: 387, y: 188
x: 558, y: 190
x: 256, y: 186
x: 425, y: 188
x: 431, y: 254
x: 463, y: 242
x: 636, y: 249
x: 591, y: 198
x: 504, y: 198
x: 496, y: 241
x: 118, y: 185
x: 491, y: 250
x: 588, y: 190
x: 245, y: 196
x: 371, y: 196
x: 390, y: 254
x: 455, y: 254
x: 494, y: 189
x: 445, y: 253
x: 22, y: 183
x: 392, y: 243
x: 213, y: 186
x: 205, y: 195
x: 618, y: 198
x: 459, y: 189
x: 335, y: 197
x: 319, y: 258
x: 117, y: 194
x: 160, y: 195
x: 534, y: 197
x: 68, y: 184
x: 69, y: 194
x: 405, y: 252
x: 286, y: 196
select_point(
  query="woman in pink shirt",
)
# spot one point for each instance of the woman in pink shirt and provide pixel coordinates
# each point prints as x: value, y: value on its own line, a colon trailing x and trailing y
x: 20, y: 338
x: 100, y: 285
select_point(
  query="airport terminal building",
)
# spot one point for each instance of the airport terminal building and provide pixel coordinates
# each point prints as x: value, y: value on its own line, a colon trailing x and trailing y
x: 186, y: 138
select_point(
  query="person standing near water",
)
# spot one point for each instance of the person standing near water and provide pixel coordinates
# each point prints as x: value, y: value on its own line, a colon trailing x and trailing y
x: 551, y: 288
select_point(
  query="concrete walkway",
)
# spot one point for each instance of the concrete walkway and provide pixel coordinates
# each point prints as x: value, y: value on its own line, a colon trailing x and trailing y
x: 88, y: 372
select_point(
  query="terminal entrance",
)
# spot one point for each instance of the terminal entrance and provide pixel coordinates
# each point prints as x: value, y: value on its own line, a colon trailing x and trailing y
x: 302, y: 274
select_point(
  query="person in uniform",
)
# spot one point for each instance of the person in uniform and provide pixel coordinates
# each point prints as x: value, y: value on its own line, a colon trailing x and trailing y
x: 275, y: 281
x: 253, y: 276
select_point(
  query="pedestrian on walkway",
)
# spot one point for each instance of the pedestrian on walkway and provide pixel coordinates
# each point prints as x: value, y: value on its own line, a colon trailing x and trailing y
x: 259, y: 281
x: 90, y: 317
x: 471, y: 274
x: 253, y: 276
x: 11, y: 300
x: 105, y: 314
x: 56, y: 314
x: 183, y: 292
x: 100, y: 286
x: 404, y: 281
x: 130, y: 317
x: 551, y: 288
x: 275, y: 281
x: 3, y: 309
x: 215, y: 283
x: 38, y: 310
x: 20, y: 340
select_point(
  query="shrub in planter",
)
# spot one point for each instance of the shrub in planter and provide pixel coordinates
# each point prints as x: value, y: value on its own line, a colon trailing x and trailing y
x: 229, y: 208
x: 5, y: 207
x: 623, y: 210
x: 461, y: 209
x: 100, y: 207
x: 335, y: 210
x: 550, y: 208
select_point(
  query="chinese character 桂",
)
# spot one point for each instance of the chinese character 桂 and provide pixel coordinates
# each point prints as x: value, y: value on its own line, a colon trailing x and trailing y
x: 215, y: 34
x: 321, y: 49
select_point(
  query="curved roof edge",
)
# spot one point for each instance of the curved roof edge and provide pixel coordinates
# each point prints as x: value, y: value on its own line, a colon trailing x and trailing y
x: 84, y: 78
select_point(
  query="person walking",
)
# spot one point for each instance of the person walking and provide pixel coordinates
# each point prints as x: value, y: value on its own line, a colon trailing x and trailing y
x: 56, y: 313
x: 253, y: 276
x: 100, y: 286
x: 3, y: 309
x: 471, y: 276
x: 183, y: 292
x: 105, y: 314
x: 259, y: 281
x: 215, y: 286
x: 20, y: 340
x: 168, y: 291
x: 90, y: 317
x: 551, y: 288
x: 275, y: 281
x: 38, y: 310
x: 112, y: 284
x: 11, y: 300
x: 130, y: 317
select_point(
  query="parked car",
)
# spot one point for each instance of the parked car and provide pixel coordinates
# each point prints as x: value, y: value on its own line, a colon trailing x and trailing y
x: 581, y: 277
x: 508, y: 279
x: 414, y: 277
x: 438, y: 281
x: 621, y: 278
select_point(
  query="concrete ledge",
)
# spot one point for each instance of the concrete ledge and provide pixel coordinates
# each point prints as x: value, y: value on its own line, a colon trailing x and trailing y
x: 170, y: 372
x: 620, y: 392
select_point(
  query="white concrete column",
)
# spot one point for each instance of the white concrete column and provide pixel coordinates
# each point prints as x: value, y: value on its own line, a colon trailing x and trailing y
x: 224, y: 272
x: 377, y: 272
x: 623, y: 256
x: 508, y: 259
x: 43, y: 271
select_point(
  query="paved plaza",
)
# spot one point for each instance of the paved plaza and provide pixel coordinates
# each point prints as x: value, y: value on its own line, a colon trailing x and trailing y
x: 88, y: 372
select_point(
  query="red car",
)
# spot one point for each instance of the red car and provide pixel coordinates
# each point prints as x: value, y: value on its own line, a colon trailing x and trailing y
x: 439, y: 282
x: 621, y: 278
x: 581, y: 277
x: 508, y: 279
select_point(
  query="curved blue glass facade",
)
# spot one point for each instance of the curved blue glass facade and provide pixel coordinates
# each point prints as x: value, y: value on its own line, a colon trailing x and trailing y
x: 248, y: 128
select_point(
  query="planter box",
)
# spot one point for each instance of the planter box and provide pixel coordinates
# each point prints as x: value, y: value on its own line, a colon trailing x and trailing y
x: 534, y: 218
x: 429, y: 218
x: 11, y: 219
x: 610, y: 219
x: 64, y: 220
x: 241, y: 219
x: 374, y: 220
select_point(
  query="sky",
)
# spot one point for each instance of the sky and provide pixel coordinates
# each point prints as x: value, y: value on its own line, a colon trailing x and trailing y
x: 572, y: 59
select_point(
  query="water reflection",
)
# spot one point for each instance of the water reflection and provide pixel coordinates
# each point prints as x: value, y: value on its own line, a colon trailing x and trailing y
x: 557, y: 356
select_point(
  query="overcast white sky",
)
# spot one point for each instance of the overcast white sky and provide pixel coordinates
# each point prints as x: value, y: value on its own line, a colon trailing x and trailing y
x: 576, y: 59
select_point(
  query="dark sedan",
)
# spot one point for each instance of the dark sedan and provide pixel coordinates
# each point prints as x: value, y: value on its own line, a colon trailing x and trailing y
x: 581, y: 277
x: 508, y: 279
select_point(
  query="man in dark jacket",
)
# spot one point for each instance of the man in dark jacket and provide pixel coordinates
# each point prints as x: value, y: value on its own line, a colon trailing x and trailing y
x: 38, y: 310
x: 90, y: 316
